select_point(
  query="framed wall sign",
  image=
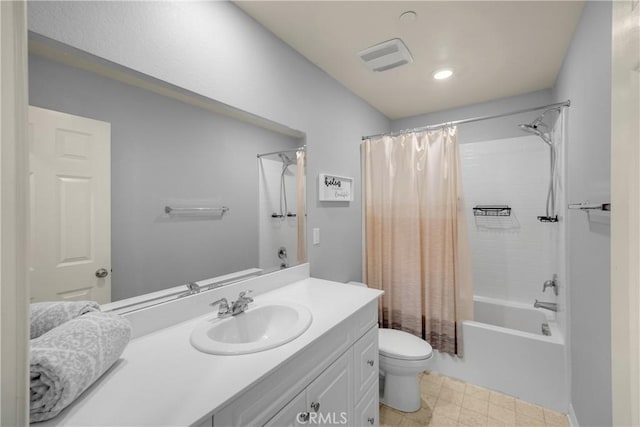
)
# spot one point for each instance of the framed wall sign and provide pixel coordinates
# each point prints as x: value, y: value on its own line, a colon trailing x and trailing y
x: 334, y: 188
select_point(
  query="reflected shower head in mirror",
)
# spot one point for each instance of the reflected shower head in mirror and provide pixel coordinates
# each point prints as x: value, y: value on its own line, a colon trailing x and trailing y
x: 286, y: 160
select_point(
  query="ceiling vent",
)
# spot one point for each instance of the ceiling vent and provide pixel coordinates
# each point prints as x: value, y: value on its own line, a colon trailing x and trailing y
x: 386, y: 55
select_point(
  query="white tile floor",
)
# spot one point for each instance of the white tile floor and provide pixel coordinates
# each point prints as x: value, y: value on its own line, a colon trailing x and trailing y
x: 449, y: 402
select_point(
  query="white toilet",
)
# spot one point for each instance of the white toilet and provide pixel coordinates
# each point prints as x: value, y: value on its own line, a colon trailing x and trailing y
x: 402, y: 357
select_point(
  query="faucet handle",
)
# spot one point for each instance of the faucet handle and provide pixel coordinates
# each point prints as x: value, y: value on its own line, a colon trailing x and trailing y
x: 243, y: 295
x: 223, y: 308
x: 550, y: 284
x: 193, y: 287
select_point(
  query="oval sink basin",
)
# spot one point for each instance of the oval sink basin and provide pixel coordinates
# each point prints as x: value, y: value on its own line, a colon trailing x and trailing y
x: 257, y: 329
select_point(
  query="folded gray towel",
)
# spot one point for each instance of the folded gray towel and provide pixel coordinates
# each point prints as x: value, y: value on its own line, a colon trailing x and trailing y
x: 66, y: 360
x: 45, y: 316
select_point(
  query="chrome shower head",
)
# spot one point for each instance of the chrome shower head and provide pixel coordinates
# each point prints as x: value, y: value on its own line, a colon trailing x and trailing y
x: 539, y: 127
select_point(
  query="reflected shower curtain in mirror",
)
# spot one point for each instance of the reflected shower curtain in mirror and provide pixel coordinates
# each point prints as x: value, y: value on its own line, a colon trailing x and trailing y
x: 415, y: 231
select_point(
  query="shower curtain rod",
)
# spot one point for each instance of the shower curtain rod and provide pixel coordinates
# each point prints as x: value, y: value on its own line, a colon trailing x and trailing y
x: 303, y: 148
x: 566, y: 103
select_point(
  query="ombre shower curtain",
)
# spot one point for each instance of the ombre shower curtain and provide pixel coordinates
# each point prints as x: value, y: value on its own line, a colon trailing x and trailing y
x: 415, y: 232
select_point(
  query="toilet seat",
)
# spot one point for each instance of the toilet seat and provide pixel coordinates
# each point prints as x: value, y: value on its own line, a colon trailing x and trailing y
x: 401, y: 345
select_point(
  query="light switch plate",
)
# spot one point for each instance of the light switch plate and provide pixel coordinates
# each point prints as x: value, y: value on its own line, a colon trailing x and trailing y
x: 316, y: 236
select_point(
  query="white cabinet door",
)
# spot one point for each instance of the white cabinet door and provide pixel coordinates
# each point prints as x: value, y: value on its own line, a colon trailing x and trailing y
x: 367, y: 411
x: 294, y: 414
x: 365, y: 362
x: 330, y: 396
x: 70, y: 207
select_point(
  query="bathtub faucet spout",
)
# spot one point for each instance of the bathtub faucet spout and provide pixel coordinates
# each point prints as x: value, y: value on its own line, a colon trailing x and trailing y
x: 546, y: 305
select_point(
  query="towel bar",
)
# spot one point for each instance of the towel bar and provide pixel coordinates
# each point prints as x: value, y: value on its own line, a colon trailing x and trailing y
x: 586, y: 206
x: 203, y: 211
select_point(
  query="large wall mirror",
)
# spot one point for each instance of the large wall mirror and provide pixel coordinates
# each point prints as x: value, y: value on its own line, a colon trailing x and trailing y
x: 139, y: 188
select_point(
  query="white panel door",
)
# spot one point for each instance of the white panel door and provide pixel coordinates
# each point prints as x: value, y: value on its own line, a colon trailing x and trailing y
x: 625, y: 219
x: 70, y: 209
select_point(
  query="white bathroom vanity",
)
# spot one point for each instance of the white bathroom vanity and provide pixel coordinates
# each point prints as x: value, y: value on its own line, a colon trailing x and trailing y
x: 327, y: 375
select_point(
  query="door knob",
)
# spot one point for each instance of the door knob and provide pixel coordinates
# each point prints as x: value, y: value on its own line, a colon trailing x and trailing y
x: 315, y: 406
x: 101, y: 273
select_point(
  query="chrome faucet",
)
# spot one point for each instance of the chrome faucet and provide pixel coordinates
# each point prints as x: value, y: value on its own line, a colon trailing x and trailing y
x: 242, y: 303
x: 193, y: 288
x: 237, y: 307
x: 546, y: 305
x: 553, y: 283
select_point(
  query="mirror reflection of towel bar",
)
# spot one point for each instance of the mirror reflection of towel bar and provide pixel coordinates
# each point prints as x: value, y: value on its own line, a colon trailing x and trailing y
x: 586, y: 206
x: 177, y: 211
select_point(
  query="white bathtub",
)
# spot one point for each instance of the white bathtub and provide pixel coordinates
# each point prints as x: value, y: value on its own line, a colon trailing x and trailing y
x: 505, y: 350
x: 513, y: 315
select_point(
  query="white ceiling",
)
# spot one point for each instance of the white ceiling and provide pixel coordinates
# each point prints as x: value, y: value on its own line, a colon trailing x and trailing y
x: 496, y: 48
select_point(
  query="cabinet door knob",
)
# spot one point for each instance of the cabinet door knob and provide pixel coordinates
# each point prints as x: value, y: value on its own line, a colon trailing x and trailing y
x: 315, y: 406
x: 370, y: 362
x: 371, y: 420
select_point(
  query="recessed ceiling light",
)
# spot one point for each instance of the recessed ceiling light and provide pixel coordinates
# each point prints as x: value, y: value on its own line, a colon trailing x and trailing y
x: 408, y: 16
x: 443, y: 74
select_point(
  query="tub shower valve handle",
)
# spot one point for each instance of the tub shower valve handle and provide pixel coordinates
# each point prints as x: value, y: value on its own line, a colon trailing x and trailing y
x: 553, y: 283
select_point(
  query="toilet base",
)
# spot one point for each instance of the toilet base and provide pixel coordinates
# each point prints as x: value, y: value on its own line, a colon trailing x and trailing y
x: 401, y: 392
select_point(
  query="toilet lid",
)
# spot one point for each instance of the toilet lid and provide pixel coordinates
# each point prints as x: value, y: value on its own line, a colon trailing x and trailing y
x: 402, y: 345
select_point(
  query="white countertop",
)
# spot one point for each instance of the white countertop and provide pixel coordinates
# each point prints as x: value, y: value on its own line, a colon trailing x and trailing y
x: 162, y: 380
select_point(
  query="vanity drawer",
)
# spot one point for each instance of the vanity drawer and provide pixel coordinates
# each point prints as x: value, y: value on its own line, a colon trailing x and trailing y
x: 365, y: 358
x: 365, y: 318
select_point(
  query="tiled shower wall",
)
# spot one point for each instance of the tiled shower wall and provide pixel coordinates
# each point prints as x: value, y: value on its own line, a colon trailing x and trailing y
x: 511, y: 256
x: 276, y: 232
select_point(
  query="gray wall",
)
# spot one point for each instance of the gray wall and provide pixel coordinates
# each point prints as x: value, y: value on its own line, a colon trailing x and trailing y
x: 216, y: 50
x: 505, y: 127
x: 164, y: 151
x: 585, y: 77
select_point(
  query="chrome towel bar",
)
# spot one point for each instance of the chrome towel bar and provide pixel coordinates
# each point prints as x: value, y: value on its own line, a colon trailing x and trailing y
x: 203, y: 211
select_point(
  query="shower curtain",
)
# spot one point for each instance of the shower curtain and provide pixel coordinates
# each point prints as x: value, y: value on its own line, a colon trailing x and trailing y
x: 415, y: 232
